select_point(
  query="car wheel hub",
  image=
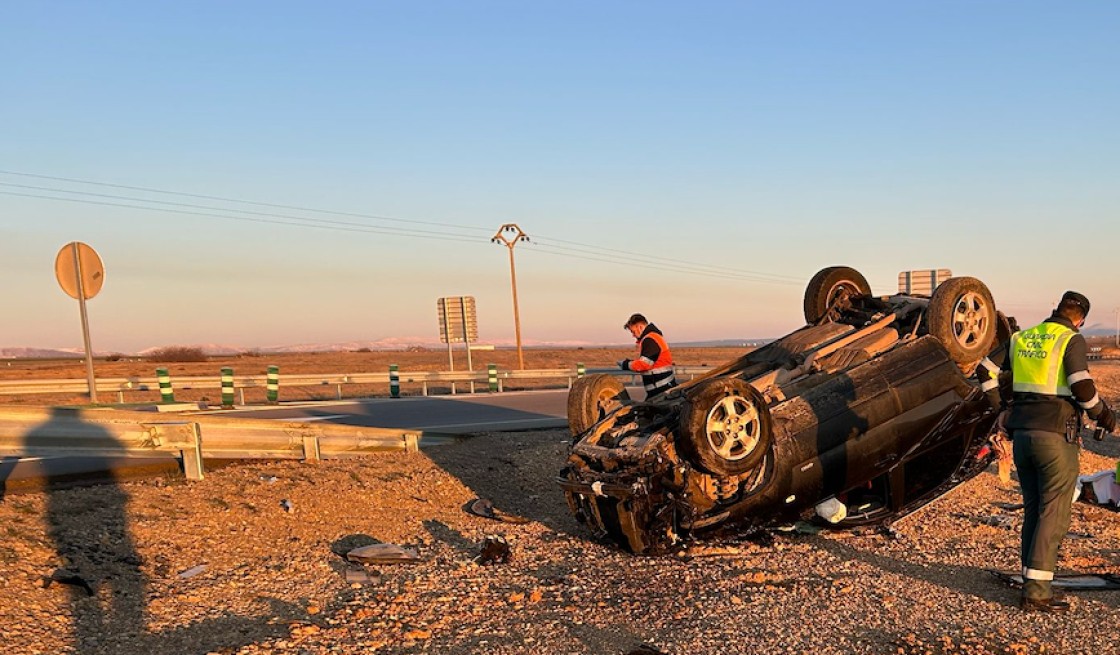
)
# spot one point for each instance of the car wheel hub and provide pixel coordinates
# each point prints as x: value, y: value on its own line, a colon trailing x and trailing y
x: 970, y: 320
x: 733, y: 428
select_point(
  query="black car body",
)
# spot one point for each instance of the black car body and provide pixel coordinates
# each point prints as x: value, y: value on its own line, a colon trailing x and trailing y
x: 870, y: 409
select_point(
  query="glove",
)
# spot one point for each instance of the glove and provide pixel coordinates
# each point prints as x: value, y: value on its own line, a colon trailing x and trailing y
x: 1107, y: 420
x: 624, y: 364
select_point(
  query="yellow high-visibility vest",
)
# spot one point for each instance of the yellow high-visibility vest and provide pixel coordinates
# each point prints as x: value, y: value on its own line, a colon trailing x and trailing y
x: 1037, y: 359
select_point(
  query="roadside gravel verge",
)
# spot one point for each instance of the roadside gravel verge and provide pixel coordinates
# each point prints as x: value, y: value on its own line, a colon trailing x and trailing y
x: 273, y: 581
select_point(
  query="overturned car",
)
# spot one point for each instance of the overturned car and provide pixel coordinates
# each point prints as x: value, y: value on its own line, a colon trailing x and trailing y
x: 865, y: 414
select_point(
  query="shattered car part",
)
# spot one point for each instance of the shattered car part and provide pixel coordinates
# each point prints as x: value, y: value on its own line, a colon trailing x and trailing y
x: 383, y: 554
x: 485, y: 508
x: 494, y: 550
x: 870, y: 405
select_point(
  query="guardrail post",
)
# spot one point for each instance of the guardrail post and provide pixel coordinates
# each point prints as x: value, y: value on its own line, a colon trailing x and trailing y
x: 192, y: 456
x: 492, y: 376
x: 166, y: 393
x: 273, y: 385
x: 311, y: 448
x: 227, y: 388
x: 581, y: 370
x: 395, y: 381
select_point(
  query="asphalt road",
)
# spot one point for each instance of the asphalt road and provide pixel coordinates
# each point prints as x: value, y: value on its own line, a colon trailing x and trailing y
x: 458, y: 414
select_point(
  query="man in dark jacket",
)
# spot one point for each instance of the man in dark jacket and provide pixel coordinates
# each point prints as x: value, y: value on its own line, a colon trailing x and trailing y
x: 654, y: 361
x: 1050, y: 389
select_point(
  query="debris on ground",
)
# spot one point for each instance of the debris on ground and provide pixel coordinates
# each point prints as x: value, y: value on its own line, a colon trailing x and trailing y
x: 485, y: 509
x: 69, y: 578
x: 494, y: 550
x: 191, y: 572
x: 383, y: 554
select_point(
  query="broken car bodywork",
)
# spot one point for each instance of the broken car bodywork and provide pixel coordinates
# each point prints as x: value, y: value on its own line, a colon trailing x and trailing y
x: 869, y: 406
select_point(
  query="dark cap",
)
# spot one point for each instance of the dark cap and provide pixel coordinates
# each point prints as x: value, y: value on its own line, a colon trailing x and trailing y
x: 638, y: 318
x: 1074, y: 298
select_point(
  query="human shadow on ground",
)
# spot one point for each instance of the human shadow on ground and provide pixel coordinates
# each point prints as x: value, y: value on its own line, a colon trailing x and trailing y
x: 98, y: 565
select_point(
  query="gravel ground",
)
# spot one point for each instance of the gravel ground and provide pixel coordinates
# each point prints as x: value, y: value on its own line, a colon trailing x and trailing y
x: 273, y: 581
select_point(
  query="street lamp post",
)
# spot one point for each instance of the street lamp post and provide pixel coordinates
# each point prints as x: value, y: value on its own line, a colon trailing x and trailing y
x: 509, y: 242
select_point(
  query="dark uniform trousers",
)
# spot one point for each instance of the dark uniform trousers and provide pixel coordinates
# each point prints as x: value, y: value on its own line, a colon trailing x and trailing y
x: 1048, y: 470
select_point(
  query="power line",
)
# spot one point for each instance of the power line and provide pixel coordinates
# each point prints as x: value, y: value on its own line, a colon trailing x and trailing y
x: 367, y: 229
x: 237, y: 200
x: 548, y: 245
x: 311, y: 222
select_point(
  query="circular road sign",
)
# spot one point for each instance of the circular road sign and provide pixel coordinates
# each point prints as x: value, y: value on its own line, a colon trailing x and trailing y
x: 78, y: 266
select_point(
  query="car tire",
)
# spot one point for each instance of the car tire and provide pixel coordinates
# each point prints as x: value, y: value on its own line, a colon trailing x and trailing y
x: 726, y: 425
x: 962, y: 315
x: 591, y: 398
x: 830, y: 290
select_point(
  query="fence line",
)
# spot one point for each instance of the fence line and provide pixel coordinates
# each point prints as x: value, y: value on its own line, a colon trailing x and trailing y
x: 121, y: 386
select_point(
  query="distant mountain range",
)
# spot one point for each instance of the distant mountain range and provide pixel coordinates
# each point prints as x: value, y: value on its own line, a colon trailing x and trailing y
x: 400, y: 343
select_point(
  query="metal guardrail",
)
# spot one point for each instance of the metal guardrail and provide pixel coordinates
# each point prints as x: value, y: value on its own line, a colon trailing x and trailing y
x: 121, y: 386
x: 37, y: 431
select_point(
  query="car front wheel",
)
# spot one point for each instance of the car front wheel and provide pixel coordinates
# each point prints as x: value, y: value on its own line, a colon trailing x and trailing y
x: 726, y: 424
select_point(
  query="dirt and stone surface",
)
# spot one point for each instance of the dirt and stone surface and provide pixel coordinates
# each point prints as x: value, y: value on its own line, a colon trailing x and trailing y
x: 250, y: 561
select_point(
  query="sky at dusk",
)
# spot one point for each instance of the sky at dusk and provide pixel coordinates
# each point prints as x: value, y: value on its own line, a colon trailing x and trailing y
x: 263, y: 174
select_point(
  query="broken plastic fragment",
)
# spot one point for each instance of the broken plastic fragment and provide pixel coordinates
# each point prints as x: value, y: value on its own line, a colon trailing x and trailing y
x: 193, y: 571
x: 832, y: 510
x: 383, y: 554
x: 62, y: 576
x: 287, y: 505
x: 485, y: 508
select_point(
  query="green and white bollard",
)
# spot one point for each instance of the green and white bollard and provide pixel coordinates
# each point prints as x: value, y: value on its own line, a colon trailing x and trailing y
x: 394, y: 381
x: 273, y: 385
x: 227, y: 388
x: 581, y: 370
x: 166, y: 393
x: 492, y: 376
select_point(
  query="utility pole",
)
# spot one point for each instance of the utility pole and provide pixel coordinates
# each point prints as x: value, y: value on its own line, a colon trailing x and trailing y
x: 500, y: 237
x: 1118, y: 327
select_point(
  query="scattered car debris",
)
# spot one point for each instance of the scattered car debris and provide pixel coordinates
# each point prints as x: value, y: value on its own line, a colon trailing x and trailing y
x: 287, y: 505
x: 484, y: 508
x: 383, y: 554
x: 69, y: 578
x: 191, y: 572
x: 1070, y: 581
x: 494, y: 550
x: 997, y: 521
x: 1010, y: 507
x: 1099, y: 489
x: 872, y: 404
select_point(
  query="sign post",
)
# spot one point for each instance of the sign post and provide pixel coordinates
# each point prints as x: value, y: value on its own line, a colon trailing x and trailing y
x: 81, y: 274
x: 457, y: 322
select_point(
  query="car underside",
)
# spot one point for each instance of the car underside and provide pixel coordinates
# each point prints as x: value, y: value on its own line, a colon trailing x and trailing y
x: 869, y: 410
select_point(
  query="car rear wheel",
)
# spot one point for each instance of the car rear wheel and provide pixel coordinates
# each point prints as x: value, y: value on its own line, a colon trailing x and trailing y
x: 831, y: 290
x: 727, y: 426
x: 591, y: 398
x: 962, y: 315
